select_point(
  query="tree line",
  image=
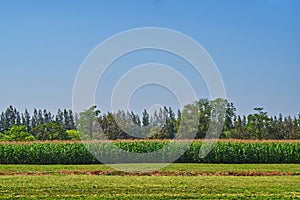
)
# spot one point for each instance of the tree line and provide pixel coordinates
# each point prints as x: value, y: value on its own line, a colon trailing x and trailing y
x: 41, y: 125
x: 164, y: 123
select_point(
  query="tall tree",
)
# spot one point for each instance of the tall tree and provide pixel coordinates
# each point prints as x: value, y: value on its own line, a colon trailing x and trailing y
x: 59, y: 118
x: 89, y: 123
x: 229, y: 116
x: 257, y: 123
x: 34, y: 119
x: 145, y: 118
x: 40, y: 118
x: 72, y: 125
x: 204, y: 117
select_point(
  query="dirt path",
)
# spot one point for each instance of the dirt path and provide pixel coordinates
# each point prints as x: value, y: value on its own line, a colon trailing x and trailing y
x: 154, y: 173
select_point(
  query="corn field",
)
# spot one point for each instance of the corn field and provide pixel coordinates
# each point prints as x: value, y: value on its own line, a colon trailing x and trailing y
x: 225, y: 151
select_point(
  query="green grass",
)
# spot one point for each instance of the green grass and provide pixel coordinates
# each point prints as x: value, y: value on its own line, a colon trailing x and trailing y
x: 148, y: 187
x: 61, y: 186
x: 235, y: 167
x: 172, y: 167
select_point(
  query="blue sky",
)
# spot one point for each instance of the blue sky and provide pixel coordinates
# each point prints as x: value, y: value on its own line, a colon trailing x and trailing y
x: 255, y: 45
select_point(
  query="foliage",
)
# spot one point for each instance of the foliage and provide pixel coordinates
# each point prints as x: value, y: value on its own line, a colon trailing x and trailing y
x: 257, y: 123
x: 73, y: 135
x: 77, y: 153
x: 192, y: 122
x: 88, y: 123
x: 50, y: 131
x: 17, y: 133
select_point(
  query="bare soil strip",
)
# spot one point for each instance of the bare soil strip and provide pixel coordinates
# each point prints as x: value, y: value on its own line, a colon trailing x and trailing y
x: 144, y: 140
x: 154, y: 173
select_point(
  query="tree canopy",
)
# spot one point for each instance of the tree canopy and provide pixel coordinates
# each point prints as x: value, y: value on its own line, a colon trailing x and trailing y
x: 165, y: 123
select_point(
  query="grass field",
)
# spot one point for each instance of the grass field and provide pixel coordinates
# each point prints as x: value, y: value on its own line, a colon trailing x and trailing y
x: 294, y: 168
x: 55, y: 182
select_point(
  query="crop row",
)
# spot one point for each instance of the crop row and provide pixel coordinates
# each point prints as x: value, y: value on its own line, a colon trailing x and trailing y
x: 148, y: 151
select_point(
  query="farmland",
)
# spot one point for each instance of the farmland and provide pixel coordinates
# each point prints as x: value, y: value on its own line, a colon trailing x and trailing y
x: 234, y: 169
x: 224, y: 151
x: 52, y: 181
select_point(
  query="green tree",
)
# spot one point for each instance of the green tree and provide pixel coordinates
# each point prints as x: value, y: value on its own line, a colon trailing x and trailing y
x: 288, y: 127
x: 89, y: 123
x: 145, y: 118
x: 26, y: 121
x: 47, y: 116
x: 17, y: 133
x: 189, y: 121
x: 3, y: 124
x: 40, y: 118
x: 10, y: 117
x: 111, y: 129
x: 73, y: 135
x: 34, y: 119
x: 204, y: 117
x: 50, y: 131
x: 178, y: 121
x: 239, y: 129
x: 59, y: 118
x: 72, y: 125
x: 257, y: 123
x: 229, y: 116
x: 278, y: 128
x: 168, y: 129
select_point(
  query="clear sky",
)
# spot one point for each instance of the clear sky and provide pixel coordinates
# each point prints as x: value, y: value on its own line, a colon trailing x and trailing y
x: 255, y: 44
